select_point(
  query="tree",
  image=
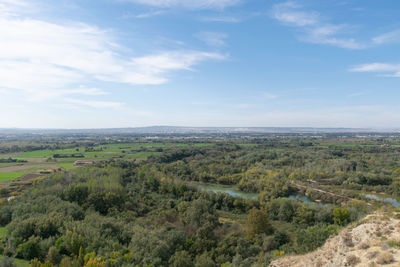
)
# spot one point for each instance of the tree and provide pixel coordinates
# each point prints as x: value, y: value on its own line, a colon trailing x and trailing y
x: 181, y: 259
x: 53, y: 256
x: 341, y: 216
x: 258, y: 223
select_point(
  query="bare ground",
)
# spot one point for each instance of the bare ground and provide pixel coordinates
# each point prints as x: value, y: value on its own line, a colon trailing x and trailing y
x: 25, y: 167
x: 367, y: 244
x: 23, y: 180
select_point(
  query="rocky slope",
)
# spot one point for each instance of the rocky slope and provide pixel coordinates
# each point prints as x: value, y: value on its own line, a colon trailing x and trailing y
x: 375, y: 241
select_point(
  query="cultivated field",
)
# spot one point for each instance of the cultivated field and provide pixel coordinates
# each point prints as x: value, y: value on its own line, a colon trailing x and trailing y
x: 45, y: 161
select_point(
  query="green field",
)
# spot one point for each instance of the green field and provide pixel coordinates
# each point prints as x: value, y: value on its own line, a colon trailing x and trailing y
x: 102, y: 151
x: 7, y: 176
x: 107, y: 151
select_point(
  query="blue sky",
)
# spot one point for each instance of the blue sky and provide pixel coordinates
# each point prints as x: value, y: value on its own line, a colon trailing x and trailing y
x: 127, y: 63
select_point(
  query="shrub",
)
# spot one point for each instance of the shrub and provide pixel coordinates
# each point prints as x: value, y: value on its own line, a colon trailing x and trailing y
x: 54, y: 256
x: 258, y: 223
x: 7, y: 262
x: 204, y: 261
x: 385, y: 258
x: 314, y: 237
x: 29, y: 250
x: 352, y: 260
x: 5, y: 215
x: 341, y: 216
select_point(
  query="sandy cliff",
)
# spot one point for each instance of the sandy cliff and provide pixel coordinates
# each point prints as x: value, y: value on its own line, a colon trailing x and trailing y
x: 375, y: 241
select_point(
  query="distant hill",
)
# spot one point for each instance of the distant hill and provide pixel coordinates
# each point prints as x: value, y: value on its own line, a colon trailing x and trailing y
x: 193, y: 130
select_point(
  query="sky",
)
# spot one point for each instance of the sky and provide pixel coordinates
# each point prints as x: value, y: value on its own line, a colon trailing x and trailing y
x: 239, y: 63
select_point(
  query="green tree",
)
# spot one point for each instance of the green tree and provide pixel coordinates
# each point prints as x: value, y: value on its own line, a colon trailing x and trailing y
x: 341, y: 216
x: 258, y: 223
x: 181, y: 259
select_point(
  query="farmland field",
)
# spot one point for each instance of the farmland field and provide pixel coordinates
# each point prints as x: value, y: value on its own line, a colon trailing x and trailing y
x: 47, y: 159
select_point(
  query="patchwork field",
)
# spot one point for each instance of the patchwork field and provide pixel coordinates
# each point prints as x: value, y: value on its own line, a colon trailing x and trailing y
x: 38, y: 161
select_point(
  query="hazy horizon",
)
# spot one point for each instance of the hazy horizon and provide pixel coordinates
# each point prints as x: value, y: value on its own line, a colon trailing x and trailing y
x: 220, y: 63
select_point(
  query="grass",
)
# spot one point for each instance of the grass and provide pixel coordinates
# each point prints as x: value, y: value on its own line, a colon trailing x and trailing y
x: 394, y: 243
x: 67, y: 165
x: 232, y: 217
x: 7, y: 176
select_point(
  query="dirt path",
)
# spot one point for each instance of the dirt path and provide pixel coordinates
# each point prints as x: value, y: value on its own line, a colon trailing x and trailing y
x: 36, y: 159
x: 323, y: 191
x: 25, y: 167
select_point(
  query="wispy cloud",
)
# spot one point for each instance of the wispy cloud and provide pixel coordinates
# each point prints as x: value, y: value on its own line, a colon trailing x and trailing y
x: 385, y: 69
x: 221, y: 19
x: 315, y: 30
x: 356, y: 94
x: 188, y: 4
x: 94, y: 104
x: 82, y: 90
x: 212, y: 38
x: 389, y: 37
x: 288, y: 13
x: 144, y: 15
x: 267, y: 95
x: 10, y: 7
x: 45, y: 59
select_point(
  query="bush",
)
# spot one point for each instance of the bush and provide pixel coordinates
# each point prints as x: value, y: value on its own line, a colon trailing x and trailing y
x: 314, y: 237
x: 258, y: 223
x: 29, y: 250
x: 54, y: 256
x: 341, y: 216
x: 385, y: 258
x: 204, y: 261
x: 352, y: 260
x: 7, y: 262
x: 5, y: 215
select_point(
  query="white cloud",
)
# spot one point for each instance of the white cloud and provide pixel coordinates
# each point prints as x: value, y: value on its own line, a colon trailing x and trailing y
x: 287, y: 13
x: 9, y: 7
x: 144, y: 15
x: 82, y: 90
x: 45, y: 59
x: 268, y: 95
x: 311, y: 23
x: 94, y: 104
x: 212, y: 38
x: 389, y: 37
x: 325, y: 35
x: 392, y: 70
x: 189, y: 4
x: 221, y: 19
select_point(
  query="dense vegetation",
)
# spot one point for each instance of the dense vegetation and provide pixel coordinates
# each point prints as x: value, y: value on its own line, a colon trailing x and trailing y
x: 151, y: 213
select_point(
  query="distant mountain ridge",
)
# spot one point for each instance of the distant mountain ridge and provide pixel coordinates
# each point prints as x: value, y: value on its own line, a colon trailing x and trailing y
x: 193, y: 130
